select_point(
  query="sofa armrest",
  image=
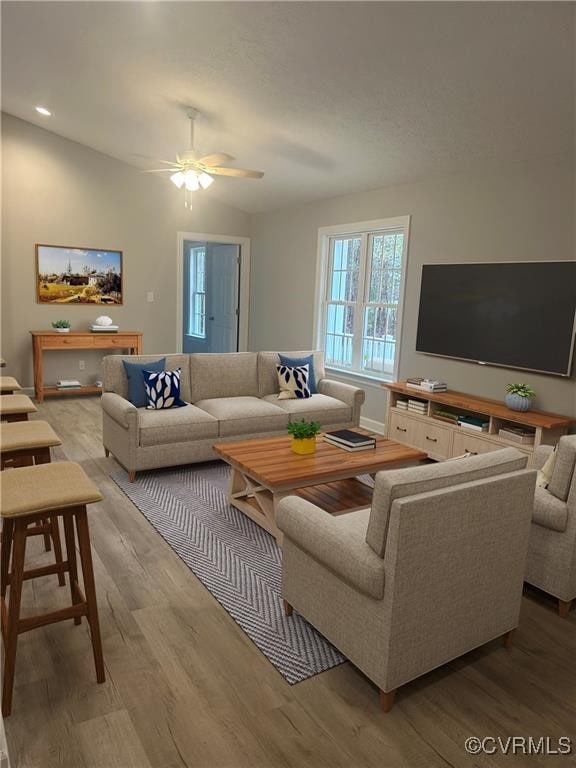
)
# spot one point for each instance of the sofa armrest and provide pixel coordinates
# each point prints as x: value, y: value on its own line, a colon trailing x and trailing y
x: 541, y: 455
x: 352, y: 396
x: 119, y: 409
x: 340, y: 548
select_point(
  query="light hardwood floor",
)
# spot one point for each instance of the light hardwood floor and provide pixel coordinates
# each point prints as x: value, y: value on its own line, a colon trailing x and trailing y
x: 186, y: 687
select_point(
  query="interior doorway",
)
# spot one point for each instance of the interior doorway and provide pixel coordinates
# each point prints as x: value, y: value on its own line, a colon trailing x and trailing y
x: 213, y: 274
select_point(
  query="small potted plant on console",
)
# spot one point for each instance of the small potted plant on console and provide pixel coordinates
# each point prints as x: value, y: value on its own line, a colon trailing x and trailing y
x: 303, y: 435
x: 62, y: 326
x: 520, y: 397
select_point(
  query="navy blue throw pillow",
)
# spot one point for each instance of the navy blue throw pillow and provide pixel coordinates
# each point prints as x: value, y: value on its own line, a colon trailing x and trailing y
x: 134, y: 371
x: 296, y: 362
x: 163, y: 389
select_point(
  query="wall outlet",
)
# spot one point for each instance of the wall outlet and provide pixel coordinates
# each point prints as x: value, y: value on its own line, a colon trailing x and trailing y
x: 150, y: 296
x: 82, y: 365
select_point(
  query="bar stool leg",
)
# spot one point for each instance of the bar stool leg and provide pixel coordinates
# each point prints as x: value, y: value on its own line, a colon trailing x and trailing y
x: 46, y: 535
x: 72, y: 564
x: 5, y: 550
x: 13, y: 617
x: 90, y: 589
x: 55, y: 534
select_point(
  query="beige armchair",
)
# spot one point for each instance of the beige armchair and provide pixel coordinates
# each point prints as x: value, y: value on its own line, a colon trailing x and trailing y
x: 551, y: 563
x: 434, y: 569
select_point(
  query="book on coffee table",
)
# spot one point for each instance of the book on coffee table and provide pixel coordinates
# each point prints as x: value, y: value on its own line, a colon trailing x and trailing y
x: 349, y: 438
x: 353, y: 448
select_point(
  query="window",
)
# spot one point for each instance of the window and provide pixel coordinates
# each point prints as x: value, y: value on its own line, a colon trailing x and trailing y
x: 197, y: 313
x: 360, y: 296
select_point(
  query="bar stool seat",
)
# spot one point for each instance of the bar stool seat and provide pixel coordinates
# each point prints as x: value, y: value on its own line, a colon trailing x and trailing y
x: 29, y: 494
x: 16, y: 407
x: 8, y: 385
x: 22, y: 439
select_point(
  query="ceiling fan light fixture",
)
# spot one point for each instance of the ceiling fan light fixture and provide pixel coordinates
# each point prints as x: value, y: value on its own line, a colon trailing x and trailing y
x: 178, y: 179
x: 204, y: 179
x: 191, y: 179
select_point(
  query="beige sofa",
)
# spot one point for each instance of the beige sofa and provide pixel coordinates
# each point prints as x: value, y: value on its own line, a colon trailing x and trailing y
x: 434, y: 569
x: 551, y: 563
x: 231, y: 396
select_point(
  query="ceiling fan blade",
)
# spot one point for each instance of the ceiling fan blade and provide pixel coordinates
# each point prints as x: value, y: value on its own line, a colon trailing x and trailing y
x: 168, y: 162
x: 242, y: 173
x: 216, y: 159
x: 160, y: 170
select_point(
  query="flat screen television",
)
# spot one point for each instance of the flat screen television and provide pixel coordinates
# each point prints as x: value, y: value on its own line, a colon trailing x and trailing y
x: 513, y: 314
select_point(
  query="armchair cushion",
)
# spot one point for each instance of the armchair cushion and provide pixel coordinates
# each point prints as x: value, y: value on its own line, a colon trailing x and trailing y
x: 395, y: 484
x: 337, y: 543
x: 549, y: 511
x: 563, y: 472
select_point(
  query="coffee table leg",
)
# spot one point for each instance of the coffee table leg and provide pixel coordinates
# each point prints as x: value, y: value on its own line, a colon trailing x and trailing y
x: 255, y: 501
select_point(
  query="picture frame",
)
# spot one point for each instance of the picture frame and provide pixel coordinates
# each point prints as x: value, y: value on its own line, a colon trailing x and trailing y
x: 73, y: 276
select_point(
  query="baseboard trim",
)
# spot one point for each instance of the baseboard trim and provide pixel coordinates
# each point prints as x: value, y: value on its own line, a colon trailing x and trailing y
x: 374, y: 426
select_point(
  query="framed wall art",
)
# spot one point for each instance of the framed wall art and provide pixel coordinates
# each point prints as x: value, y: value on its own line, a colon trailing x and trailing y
x: 66, y: 275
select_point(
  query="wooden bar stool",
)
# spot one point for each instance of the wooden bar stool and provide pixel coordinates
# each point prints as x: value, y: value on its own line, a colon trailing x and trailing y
x: 24, y: 443
x: 16, y: 407
x: 9, y: 385
x: 29, y: 494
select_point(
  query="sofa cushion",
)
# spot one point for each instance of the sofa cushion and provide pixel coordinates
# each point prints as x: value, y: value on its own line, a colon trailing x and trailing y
x: 115, y: 376
x: 293, y: 382
x: 267, y: 376
x: 549, y: 511
x: 296, y: 362
x: 563, y: 471
x: 229, y: 374
x: 322, y: 408
x: 135, y: 375
x: 244, y: 415
x: 396, y: 483
x: 162, y: 389
x: 176, y: 425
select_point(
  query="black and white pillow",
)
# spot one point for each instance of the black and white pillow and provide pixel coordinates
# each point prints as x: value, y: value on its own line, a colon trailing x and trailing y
x: 293, y: 382
x: 162, y: 389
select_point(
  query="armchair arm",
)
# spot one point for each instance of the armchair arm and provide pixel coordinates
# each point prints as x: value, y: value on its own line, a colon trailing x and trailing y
x: 119, y: 409
x: 336, y: 544
x: 541, y: 455
x: 352, y: 396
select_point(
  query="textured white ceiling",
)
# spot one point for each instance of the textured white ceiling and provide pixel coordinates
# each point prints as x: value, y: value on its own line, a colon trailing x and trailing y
x: 325, y: 98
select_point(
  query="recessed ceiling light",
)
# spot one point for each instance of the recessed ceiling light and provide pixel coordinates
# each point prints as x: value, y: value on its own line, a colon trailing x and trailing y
x: 43, y: 111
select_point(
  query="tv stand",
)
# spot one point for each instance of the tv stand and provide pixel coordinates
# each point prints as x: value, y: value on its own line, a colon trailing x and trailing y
x: 442, y: 438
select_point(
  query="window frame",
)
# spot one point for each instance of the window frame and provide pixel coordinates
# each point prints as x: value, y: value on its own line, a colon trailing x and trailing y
x: 193, y: 330
x: 363, y: 230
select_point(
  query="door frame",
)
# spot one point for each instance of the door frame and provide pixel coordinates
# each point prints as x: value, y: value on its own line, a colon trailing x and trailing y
x: 243, y: 288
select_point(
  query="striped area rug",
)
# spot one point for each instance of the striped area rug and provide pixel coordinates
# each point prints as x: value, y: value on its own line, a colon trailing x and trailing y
x: 235, y: 559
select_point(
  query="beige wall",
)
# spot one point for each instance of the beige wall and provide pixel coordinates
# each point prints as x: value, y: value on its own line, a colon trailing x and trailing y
x: 60, y: 192
x: 507, y: 212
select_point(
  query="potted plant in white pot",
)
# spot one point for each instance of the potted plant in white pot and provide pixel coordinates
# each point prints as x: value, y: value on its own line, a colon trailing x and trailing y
x: 520, y: 397
x: 303, y: 435
x: 62, y: 326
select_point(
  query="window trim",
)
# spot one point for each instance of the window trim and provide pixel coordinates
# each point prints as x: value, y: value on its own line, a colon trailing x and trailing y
x: 362, y: 228
x: 195, y: 252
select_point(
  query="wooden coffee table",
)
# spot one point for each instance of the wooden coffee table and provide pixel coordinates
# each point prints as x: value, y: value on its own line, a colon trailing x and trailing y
x: 264, y: 470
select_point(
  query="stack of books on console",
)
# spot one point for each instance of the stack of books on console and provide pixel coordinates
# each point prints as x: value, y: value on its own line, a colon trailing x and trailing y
x: 403, y: 404
x: 350, y: 440
x: 473, y: 422
x: 427, y: 385
x: 68, y: 384
x: 417, y: 406
x: 104, y: 328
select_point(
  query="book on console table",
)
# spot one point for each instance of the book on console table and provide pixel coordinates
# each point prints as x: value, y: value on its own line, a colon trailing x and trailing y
x: 349, y: 438
x: 104, y: 328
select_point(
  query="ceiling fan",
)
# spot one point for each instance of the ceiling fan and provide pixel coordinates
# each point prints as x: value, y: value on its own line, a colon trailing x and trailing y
x: 194, y: 173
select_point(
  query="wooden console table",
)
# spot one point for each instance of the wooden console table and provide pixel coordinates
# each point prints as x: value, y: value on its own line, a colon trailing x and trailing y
x: 47, y: 340
x: 443, y: 439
